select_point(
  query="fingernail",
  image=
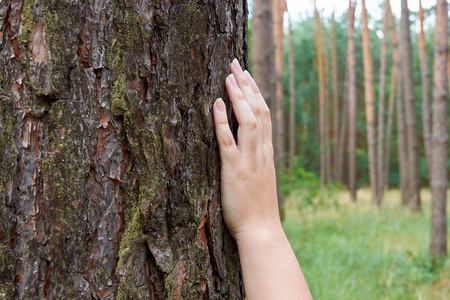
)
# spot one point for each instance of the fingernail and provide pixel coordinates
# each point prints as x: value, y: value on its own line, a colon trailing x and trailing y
x: 249, y: 76
x: 232, y: 80
x: 237, y: 64
x: 220, y: 104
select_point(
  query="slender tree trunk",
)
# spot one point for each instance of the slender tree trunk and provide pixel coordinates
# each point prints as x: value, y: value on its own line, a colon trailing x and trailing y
x: 387, y: 152
x: 292, y: 102
x: 401, y: 132
x: 425, y: 90
x: 343, y: 132
x: 278, y: 9
x: 321, y: 98
x: 369, y: 100
x: 352, y: 101
x: 336, y: 107
x: 439, y: 176
x: 381, y: 118
x: 110, y: 167
x: 410, y: 108
x: 326, y: 84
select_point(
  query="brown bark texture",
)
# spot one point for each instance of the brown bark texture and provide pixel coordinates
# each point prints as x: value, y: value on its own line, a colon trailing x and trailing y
x: 326, y: 84
x: 291, y: 102
x: 401, y: 131
x: 336, y: 108
x: 439, y: 176
x: 425, y: 76
x: 387, y: 151
x: 369, y: 102
x: 110, y: 167
x: 410, y: 108
x: 352, y: 97
x: 321, y: 98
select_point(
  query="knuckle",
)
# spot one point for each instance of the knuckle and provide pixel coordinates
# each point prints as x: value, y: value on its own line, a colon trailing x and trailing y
x: 240, y: 97
x: 266, y: 113
x: 245, y: 82
x: 256, y: 90
x: 252, y: 124
x: 227, y: 142
x: 222, y: 122
x: 257, y: 111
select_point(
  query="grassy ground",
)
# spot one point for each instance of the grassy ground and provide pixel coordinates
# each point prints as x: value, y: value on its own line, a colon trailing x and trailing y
x: 353, y: 251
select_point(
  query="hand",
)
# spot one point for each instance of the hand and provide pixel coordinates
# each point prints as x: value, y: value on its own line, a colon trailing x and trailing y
x: 248, y: 182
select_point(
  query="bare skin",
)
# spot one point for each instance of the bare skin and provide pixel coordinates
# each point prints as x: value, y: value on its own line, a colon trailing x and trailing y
x: 249, y: 197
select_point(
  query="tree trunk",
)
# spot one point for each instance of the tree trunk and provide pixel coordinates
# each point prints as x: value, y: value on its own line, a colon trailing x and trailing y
x: 439, y: 176
x: 326, y: 83
x: 425, y: 90
x: 291, y: 102
x: 110, y: 182
x: 410, y: 108
x: 381, y: 98
x: 321, y: 98
x: 352, y: 101
x: 278, y: 9
x: 387, y: 153
x: 369, y: 101
x: 401, y: 134
x: 336, y: 107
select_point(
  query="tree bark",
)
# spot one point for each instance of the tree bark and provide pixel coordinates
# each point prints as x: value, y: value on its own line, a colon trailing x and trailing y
x: 369, y: 101
x: 439, y: 176
x: 291, y: 102
x: 336, y: 108
x: 401, y: 132
x: 381, y: 118
x: 321, y: 98
x: 326, y: 83
x: 352, y: 101
x: 425, y: 90
x: 390, y: 120
x: 110, y: 182
x: 410, y: 108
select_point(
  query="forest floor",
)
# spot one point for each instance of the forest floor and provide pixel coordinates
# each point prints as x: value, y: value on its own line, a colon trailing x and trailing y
x: 355, y: 251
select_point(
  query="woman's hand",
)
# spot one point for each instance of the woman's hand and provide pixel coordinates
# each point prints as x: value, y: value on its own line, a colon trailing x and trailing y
x: 248, y: 182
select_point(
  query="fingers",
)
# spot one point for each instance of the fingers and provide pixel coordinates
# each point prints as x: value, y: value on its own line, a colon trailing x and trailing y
x: 265, y: 112
x: 227, y: 145
x: 247, y: 133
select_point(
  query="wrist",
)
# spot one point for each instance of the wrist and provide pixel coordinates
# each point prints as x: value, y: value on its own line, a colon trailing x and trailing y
x: 260, y: 234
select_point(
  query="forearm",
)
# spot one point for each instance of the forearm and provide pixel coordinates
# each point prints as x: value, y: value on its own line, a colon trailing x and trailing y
x: 269, y: 266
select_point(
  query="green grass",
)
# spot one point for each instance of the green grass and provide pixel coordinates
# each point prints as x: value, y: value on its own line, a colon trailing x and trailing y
x: 354, y: 251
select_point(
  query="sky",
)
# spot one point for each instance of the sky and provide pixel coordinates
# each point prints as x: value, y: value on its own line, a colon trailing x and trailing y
x: 298, y: 7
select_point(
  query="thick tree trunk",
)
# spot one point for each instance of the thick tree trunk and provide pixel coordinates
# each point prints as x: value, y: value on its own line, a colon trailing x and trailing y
x: 326, y: 84
x: 410, y: 108
x: 425, y: 75
x: 401, y: 134
x: 291, y: 102
x: 352, y: 101
x: 369, y: 101
x: 336, y: 108
x: 381, y: 118
x: 110, y: 181
x: 321, y: 98
x: 439, y: 176
x: 390, y: 120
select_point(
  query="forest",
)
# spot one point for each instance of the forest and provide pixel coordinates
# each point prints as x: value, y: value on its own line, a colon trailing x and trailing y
x: 111, y: 181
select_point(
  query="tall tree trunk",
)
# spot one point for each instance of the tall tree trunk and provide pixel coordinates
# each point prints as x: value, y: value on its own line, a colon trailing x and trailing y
x: 342, y: 132
x: 410, y: 108
x: 401, y: 132
x: 425, y: 89
x: 352, y: 101
x: 326, y: 83
x: 369, y: 100
x: 336, y: 107
x: 387, y: 153
x: 291, y: 102
x: 381, y: 118
x: 321, y: 98
x: 110, y: 168
x: 439, y: 176
x: 278, y: 9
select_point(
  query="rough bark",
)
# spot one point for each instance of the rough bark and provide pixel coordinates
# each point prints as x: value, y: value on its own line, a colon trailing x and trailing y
x: 336, y: 107
x: 381, y: 118
x: 410, y: 108
x: 291, y: 102
x: 370, y: 102
x: 425, y: 76
x: 110, y: 182
x: 401, y: 132
x: 390, y: 120
x: 352, y: 101
x: 321, y: 98
x: 439, y: 176
x: 326, y: 84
